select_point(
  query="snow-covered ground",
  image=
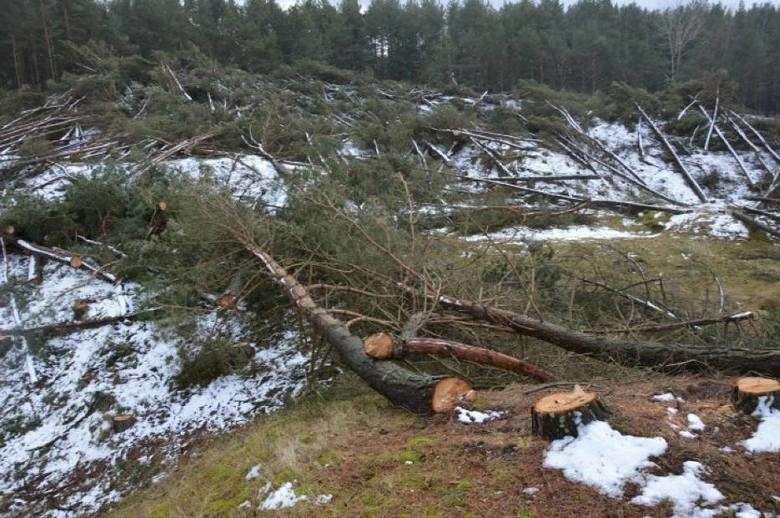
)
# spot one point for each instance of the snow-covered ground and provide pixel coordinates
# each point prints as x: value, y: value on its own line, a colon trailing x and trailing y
x: 57, y: 436
x: 608, y: 461
x: 60, y: 452
x: 716, y: 171
x: 249, y: 178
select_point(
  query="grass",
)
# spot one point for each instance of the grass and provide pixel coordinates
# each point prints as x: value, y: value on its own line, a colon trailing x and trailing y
x: 377, y: 460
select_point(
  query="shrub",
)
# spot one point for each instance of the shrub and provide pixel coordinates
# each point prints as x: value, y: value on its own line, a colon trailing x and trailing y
x: 214, y: 358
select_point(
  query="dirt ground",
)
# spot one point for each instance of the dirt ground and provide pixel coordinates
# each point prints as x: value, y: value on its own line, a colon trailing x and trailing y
x: 378, y: 461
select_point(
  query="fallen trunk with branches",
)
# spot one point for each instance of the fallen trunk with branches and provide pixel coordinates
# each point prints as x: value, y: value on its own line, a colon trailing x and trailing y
x: 659, y: 356
x: 420, y: 393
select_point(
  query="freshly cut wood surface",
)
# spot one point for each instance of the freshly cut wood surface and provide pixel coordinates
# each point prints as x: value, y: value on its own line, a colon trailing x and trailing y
x: 564, y: 402
x: 748, y: 390
x: 449, y: 392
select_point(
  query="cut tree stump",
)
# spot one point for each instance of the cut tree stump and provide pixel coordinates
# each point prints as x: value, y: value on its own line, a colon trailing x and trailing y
x: 557, y: 415
x: 122, y: 422
x: 747, y: 391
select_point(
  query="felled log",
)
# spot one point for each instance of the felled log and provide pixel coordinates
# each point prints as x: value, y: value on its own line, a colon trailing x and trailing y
x: 417, y: 392
x: 758, y: 135
x: 748, y: 391
x: 559, y: 415
x: 382, y: 346
x: 62, y: 256
x: 753, y: 222
x: 603, y: 203
x: 728, y: 145
x: 64, y: 328
x: 660, y: 328
x: 712, y: 121
x: 546, y: 179
x: 692, y: 183
x: 672, y: 357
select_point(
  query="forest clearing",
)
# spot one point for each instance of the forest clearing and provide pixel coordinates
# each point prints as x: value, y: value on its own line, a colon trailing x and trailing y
x: 319, y: 292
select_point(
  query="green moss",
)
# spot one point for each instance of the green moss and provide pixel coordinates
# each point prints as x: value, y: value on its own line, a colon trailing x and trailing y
x: 409, y: 456
x: 422, y: 442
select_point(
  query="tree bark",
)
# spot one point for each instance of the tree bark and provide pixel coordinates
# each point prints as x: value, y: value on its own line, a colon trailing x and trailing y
x: 559, y: 415
x: 748, y: 391
x: 419, y: 393
x: 17, y: 69
x: 687, y: 175
x: 47, y: 39
x: 61, y: 256
x: 660, y: 356
x: 382, y: 346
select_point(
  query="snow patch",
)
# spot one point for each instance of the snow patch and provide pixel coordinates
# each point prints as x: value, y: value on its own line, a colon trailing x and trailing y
x: 695, y: 424
x: 766, y: 438
x: 667, y: 396
x: 253, y: 473
x: 90, y: 375
x: 685, y: 491
x: 281, y: 498
x: 590, y: 457
x: 477, y: 417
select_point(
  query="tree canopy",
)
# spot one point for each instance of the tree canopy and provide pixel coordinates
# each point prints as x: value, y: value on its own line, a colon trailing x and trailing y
x: 585, y: 48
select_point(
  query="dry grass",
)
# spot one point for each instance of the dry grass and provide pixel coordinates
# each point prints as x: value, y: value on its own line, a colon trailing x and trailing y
x: 379, y: 461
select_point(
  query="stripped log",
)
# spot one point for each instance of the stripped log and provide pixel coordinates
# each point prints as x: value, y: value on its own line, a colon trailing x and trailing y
x: 604, y: 203
x: 382, y: 346
x: 638, y: 182
x: 62, y: 256
x: 546, y: 179
x: 712, y: 120
x: 726, y: 142
x: 600, y: 145
x: 559, y: 415
x: 751, y: 145
x: 758, y: 135
x: 417, y: 392
x: 692, y: 183
x: 748, y: 391
x: 753, y: 222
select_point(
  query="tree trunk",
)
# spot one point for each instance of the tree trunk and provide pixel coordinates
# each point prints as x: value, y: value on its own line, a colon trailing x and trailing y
x: 686, y: 175
x: 61, y: 256
x: 559, y: 415
x: 659, y: 356
x: 419, y: 393
x: 748, y: 391
x: 382, y: 346
x: 47, y: 39
x: 17, y: 69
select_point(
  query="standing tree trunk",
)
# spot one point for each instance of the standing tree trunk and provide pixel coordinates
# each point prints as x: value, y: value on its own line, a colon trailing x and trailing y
x: 47, y: 39
x: 17, y: 69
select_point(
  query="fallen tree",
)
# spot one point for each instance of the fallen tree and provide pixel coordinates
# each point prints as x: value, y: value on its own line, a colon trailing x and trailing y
x: 420, y: 393
x: 659, y: 356
x: 382, y: 346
